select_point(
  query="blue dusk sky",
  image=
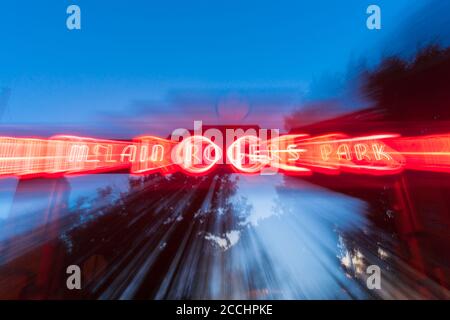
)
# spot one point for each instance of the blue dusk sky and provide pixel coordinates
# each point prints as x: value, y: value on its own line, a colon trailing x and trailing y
x: 145, y: 58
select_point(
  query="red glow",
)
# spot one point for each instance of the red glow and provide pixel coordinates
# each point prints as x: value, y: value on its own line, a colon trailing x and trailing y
x: 425, y: 153
x: 149, y: 154
x: 333, y: 153
x: 197, y: 155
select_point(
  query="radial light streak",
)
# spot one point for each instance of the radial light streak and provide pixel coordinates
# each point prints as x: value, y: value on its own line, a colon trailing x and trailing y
x: 379, y: 154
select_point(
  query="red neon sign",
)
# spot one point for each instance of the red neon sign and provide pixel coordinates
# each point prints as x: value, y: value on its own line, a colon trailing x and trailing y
x: 197, y: 155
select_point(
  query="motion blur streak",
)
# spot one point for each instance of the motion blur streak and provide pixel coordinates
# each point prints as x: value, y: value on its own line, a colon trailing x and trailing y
x: 211, y: 237
x: 428, y: 153
x: 292, y: 154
